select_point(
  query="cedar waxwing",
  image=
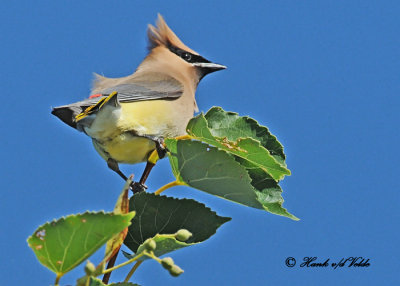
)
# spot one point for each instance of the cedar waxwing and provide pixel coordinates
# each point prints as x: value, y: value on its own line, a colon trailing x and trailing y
x: 128, y: 117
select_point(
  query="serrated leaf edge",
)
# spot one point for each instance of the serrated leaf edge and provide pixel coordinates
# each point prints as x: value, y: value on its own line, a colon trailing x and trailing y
x: 63, y: 218
x: 284, y: 170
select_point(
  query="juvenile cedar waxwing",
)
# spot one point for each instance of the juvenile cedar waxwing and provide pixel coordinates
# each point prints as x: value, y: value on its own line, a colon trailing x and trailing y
x: 128, y: 117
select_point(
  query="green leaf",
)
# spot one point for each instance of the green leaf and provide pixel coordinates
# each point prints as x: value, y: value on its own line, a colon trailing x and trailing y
x: 211, y: 170
x: 218, y: 173
x: 63, y: 244
x: 267, y: 190
x: 229, y: 124
x: 159, y: 216
x: 235, y: 135
x: 97, y: 282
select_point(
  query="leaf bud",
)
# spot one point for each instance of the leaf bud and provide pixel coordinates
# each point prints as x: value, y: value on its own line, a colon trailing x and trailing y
x: 89, y: 268
x: 167, y: 263
x: 150, y: 244
x: 183, y: 235
x: 82, y: 281
x: 175, y: 270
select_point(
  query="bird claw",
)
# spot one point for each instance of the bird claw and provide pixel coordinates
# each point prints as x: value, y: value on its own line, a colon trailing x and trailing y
x: 137, y: 187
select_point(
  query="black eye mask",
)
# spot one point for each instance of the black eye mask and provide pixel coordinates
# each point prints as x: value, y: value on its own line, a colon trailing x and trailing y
x: 186, y: 56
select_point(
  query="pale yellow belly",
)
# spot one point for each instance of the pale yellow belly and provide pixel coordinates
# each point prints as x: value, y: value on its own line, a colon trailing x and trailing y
x: 156, y: 117
x: 114, y: 131
x: 126, y: 148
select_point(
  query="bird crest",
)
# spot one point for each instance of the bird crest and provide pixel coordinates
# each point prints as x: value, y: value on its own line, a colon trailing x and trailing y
x: 162, y: 35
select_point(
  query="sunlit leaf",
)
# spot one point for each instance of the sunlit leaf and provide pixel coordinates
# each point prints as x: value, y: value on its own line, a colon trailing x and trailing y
x: 229, y: 124
x: 62, y: 244
x: 233, y: 134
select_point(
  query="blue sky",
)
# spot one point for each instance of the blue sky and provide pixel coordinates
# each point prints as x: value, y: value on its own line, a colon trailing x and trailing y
x: 322, y: 75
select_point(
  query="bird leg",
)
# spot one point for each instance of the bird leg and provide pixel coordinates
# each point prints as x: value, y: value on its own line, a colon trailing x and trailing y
x: 146, y: 173
x: 159, y: 153
x: 135, y: 186
x: 113, y: 165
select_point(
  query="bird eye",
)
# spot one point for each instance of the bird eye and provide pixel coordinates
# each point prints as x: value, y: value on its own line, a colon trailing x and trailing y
x: 186, y: 56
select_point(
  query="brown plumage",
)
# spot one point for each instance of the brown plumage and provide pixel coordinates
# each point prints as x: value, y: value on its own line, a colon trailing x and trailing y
x: 162, y: 35
x: 154, y: 102
x: 159, y: 38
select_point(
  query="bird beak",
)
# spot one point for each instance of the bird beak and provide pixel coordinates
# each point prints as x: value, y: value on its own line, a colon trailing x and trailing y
x: 207, y: 68
x: 212, y: 67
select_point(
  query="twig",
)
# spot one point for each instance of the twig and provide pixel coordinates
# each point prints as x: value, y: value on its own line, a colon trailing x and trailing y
x: 150, y: 164
x: 110, y: 264
x: 137, y: 264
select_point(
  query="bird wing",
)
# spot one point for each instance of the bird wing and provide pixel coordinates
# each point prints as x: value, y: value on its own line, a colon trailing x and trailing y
x: 169, y: 89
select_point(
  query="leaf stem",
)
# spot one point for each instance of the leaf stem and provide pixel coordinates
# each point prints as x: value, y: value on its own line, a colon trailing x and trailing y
x: 151, y: 255
x: 124, y: 263
x: 167, y: 186
x: 56, y: 283
x: 184, y: 137
x: 136, y: 266
x: 138, y: 263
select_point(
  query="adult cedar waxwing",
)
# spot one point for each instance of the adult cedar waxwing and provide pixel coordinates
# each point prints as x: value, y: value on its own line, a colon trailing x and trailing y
x: 128, y: 117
